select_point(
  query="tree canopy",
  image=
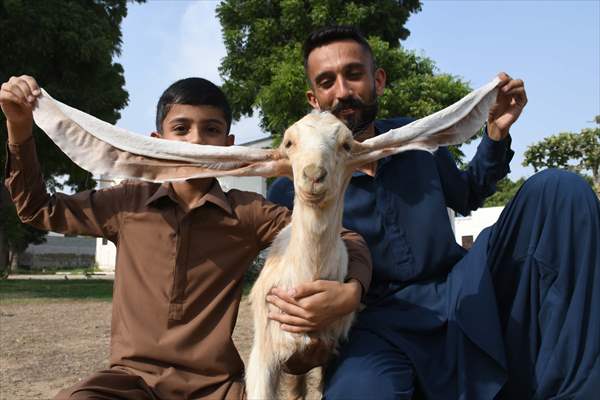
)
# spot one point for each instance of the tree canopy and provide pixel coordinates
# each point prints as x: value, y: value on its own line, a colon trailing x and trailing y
x: 506, y: 189
x: 577, y: 152
x: 263, y: 69
x: 68, y: 46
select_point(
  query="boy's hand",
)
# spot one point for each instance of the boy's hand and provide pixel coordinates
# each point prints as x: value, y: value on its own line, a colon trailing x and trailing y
x: 312, y: 306
x: 17, y: 98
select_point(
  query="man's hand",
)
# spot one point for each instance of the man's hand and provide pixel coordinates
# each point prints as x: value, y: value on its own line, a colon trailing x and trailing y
x: 312, y: 306
x: 509, y: 104
x: 17, y: 98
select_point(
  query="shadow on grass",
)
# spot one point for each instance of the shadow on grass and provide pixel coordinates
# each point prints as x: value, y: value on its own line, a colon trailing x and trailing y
x: 22, y: 290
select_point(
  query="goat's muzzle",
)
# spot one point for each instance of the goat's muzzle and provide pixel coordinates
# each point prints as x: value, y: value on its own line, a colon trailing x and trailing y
x: 314, y: 174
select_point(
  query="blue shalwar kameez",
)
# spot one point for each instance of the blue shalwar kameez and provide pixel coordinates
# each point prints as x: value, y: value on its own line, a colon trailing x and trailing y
x: 515, y: 317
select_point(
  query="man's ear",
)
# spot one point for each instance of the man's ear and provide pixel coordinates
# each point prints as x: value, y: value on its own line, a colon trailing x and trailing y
x: 229, y: 140
x: 312, y: 99
x: 156, y: 135
x: 380, y: 77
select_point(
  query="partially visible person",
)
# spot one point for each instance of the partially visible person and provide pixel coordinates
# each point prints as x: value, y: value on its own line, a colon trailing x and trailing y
x: 182, y: 251
x: 515, y: 317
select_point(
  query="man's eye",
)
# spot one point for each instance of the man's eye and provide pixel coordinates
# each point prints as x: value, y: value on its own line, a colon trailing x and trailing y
x: 326, y: 83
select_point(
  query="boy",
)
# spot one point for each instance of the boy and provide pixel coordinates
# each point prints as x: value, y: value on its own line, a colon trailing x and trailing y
x: 182, y: 250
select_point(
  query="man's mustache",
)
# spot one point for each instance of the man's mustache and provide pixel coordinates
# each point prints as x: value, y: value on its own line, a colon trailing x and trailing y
x: 360, y: 122
x: 348, y: 102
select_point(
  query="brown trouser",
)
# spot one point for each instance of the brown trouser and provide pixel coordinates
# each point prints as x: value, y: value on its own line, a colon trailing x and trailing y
x: 109, y: 384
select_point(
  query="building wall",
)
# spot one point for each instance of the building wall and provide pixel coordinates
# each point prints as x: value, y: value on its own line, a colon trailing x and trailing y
x: 60, y: 252
x: 466, y: 229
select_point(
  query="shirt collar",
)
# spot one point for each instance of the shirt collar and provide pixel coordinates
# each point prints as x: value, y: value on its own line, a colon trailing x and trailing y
x: 215, y: 195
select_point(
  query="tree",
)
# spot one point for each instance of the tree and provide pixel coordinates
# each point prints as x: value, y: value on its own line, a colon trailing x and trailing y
x: 577, y: 152
x: 68, y: 46
x: 505, y: 191
x: 263, y: 68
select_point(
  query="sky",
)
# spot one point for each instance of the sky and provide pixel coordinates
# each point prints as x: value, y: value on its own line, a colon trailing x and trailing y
x: 554, y: 46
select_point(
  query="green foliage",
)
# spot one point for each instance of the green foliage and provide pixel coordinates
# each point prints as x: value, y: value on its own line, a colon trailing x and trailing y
x: 27, y: 290
x: 68, y: 46
x: 577, y: 152
x: 505, y: 191
x: 263, y: 69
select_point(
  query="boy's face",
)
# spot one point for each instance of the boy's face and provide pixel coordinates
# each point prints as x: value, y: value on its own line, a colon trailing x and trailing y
x: 195, y: 124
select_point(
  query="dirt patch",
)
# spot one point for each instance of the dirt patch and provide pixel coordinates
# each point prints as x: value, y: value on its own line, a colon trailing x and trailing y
x: 46, y: 346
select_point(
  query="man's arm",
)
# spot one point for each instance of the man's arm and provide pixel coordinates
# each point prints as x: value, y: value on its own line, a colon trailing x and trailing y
x: 85, y: 213
x: 466, y: 190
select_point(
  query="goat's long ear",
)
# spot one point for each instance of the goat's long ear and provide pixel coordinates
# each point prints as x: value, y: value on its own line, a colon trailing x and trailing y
x: 452, y: 125
x: 104, y: 149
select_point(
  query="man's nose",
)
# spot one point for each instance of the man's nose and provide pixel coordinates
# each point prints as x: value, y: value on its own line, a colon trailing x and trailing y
x: 343, y: 89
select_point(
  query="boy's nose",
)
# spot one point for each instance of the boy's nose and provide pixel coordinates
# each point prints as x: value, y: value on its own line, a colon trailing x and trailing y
x: 196, y: 137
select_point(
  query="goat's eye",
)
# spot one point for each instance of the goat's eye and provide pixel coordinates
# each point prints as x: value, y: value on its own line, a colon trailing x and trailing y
x: 347, y: 146
x: 288, y: 144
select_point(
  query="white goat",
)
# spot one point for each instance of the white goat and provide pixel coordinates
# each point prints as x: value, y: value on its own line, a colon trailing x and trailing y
x: 318, y: 147
x: 320, y: 152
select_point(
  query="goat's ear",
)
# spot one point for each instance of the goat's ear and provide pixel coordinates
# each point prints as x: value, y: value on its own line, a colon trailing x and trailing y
x: 452, y: 125
x: 104, y: 149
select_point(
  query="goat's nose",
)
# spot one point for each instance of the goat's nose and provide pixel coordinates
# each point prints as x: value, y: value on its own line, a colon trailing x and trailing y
x: 314, y: 174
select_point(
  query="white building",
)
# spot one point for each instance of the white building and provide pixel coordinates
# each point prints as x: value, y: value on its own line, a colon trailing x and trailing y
x: 466, y: 229
x: 106, y: 252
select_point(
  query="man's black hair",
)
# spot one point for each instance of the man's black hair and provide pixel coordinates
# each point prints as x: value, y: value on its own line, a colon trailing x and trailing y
x: 194, y: 92
x: 334, y: 33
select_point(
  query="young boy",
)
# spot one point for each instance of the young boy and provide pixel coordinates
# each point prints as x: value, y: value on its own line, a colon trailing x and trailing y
x: 182, y: 250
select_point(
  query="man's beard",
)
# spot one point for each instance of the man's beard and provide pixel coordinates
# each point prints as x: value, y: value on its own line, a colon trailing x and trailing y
x: 364, y: 113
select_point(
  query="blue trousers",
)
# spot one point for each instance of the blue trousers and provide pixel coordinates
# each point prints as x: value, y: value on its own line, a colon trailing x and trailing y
x: 543, y: 257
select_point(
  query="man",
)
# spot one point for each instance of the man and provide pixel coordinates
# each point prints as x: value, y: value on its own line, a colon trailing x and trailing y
x: 516, y: 317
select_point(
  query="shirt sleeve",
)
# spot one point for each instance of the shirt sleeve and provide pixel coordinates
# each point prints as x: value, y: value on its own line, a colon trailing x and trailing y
x: 360, y: 266
x: 466, y: 191
x: 90, y: 212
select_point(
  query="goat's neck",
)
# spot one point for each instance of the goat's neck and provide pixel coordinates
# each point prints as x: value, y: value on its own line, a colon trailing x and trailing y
x: 315, y: 232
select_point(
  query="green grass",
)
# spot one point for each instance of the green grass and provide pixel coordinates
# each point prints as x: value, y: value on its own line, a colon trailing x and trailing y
x: 26, y: 290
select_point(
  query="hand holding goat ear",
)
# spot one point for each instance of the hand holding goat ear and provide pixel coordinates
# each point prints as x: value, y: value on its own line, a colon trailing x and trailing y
x: 318, y: 151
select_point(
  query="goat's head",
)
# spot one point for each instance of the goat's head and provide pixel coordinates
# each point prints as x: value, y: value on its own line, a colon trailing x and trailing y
x: 318, y: 148
x: 318, y: 151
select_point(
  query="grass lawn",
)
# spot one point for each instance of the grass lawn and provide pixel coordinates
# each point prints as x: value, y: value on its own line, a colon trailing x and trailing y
x: 24, y: 290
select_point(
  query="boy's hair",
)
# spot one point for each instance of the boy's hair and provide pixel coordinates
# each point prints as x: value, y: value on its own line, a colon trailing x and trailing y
x: 335, y: 33
x: 194, y: 92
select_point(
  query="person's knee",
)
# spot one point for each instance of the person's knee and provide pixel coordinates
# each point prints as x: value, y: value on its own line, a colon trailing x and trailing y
x: 557, y: 183
x: 558, y: 179
x: 366, y: 384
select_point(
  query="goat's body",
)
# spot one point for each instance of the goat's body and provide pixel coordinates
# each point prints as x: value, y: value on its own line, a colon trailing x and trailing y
x: 306, y: 250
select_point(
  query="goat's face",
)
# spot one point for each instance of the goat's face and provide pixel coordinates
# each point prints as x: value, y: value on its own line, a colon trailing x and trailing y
x: 318, y: 148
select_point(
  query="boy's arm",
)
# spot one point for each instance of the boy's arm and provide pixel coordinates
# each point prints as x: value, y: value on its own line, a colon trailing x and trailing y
x: 84, y: 213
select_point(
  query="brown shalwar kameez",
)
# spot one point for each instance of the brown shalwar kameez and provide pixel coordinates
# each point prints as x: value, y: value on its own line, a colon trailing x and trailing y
x: 178, y: 278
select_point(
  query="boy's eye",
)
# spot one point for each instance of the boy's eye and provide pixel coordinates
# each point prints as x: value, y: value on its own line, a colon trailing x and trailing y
x: 179, y: 129
x: 213, y: 130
